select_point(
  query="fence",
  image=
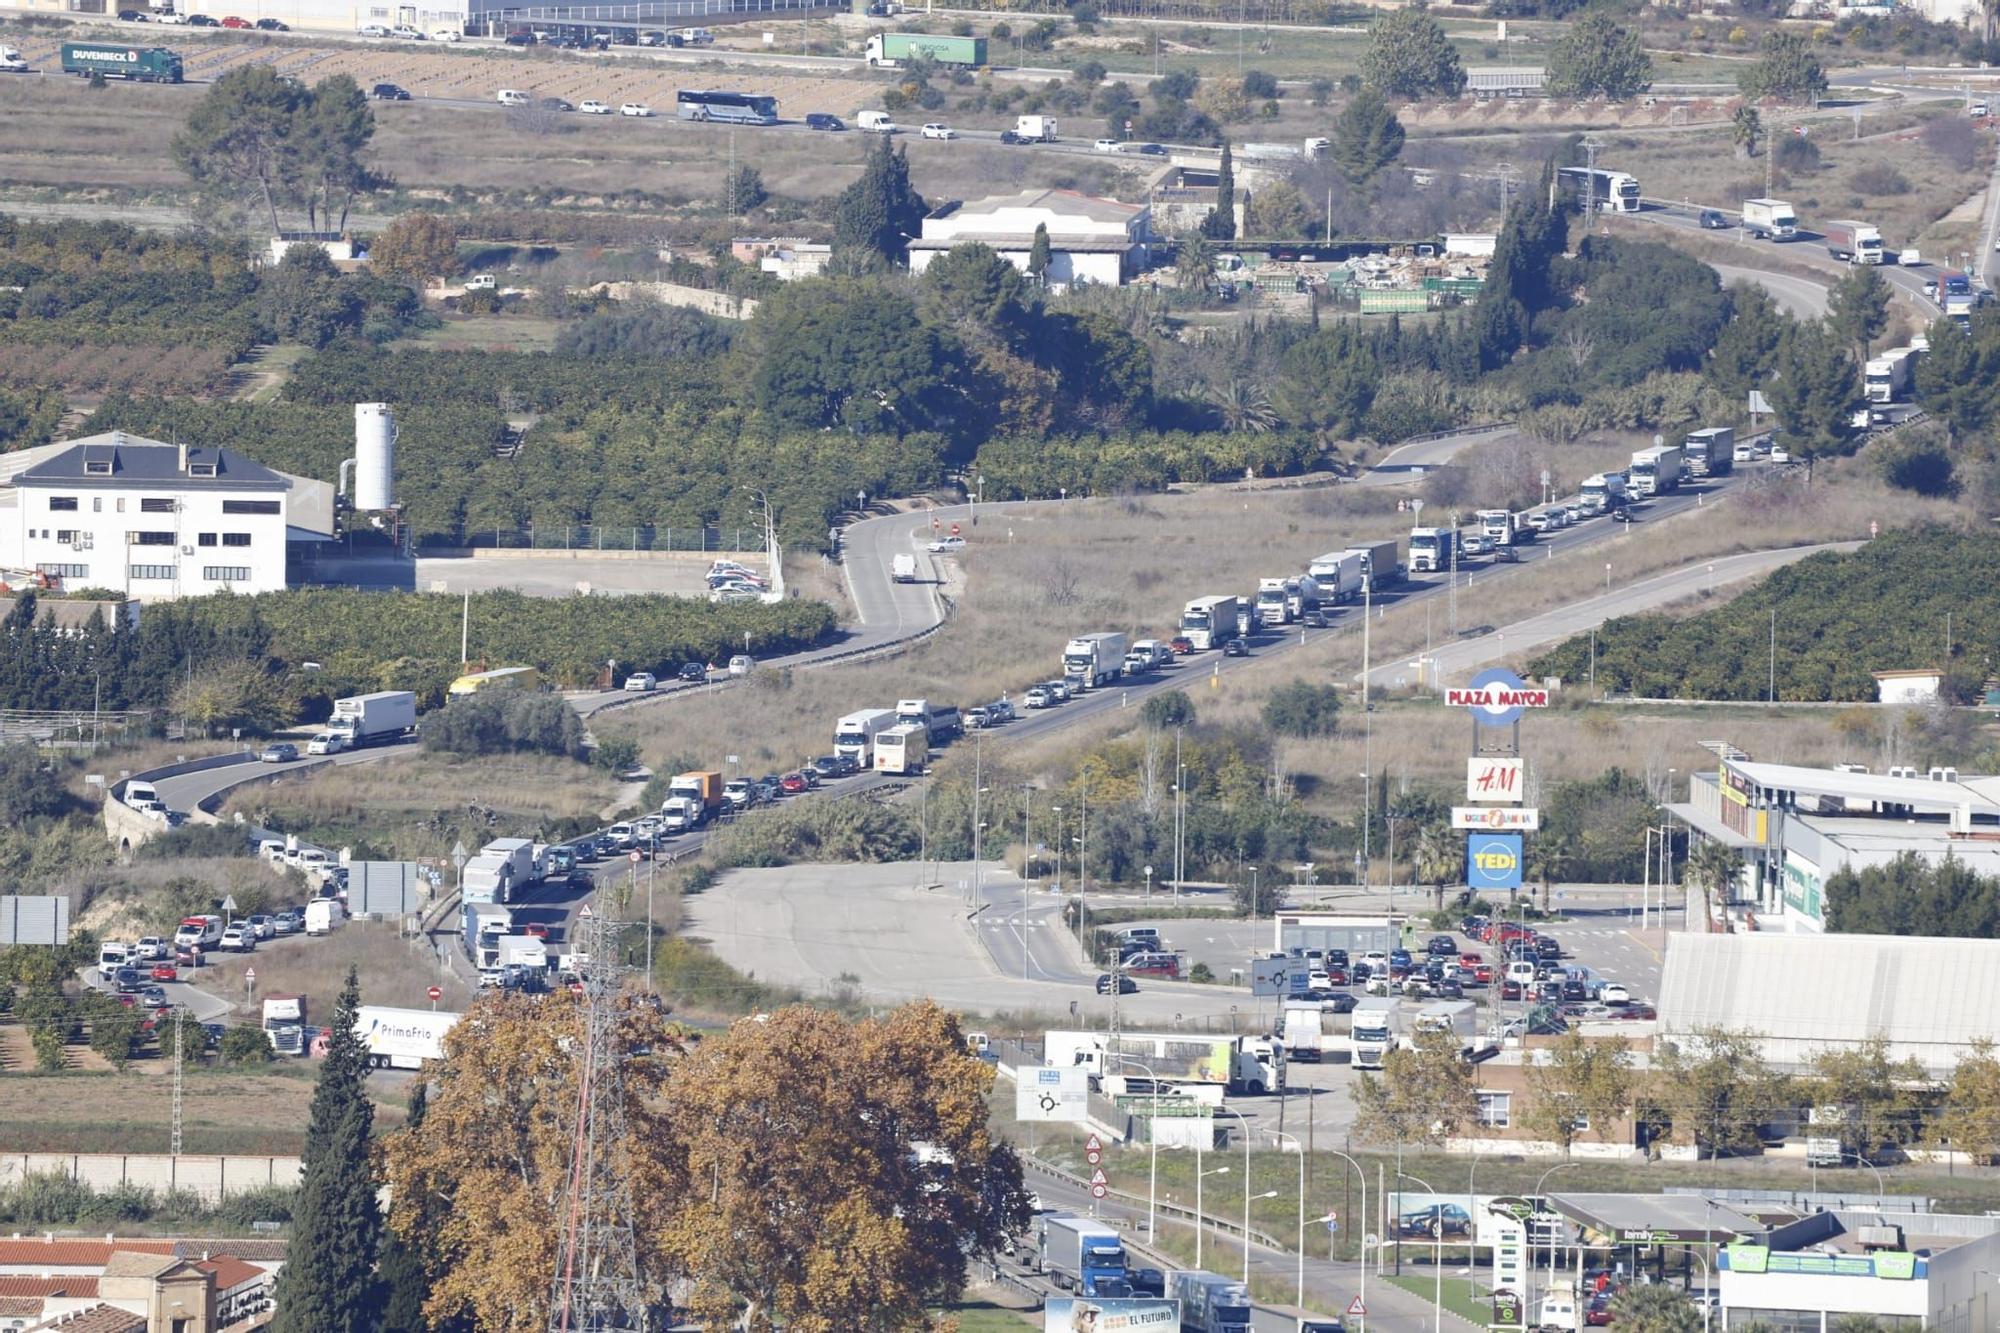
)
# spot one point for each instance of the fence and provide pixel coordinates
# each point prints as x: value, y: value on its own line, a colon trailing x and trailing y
x: 602, y: 537
x: 67, y: 726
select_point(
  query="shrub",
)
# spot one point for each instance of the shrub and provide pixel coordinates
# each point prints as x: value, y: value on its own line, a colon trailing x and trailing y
x: 1258, y: 84
x: 1171, y: 708
x: 1798, y: 154
x: 1881, y: 178
x: 507, y: 722
x: 1955, y: 140
x: 206, y: 840
x: 246, y: 1046
x: 1302, y: 708
x: 1919, y: 463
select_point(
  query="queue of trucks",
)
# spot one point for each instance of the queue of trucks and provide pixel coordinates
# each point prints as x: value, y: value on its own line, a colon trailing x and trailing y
x: 1380, y: 1024
x: 1204, y: 1068
x: 1088, y: 1257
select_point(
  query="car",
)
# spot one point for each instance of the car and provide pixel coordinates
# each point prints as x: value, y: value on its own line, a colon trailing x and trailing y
x: 999, y: 711
x: 792, y: 783
x: 828, y: 767
x: 231, y: 21
x: 1613, y: 993
x: 768, y: 788
x: 152, y: 997
x: 1398, y: 958
x: 741, y: 665
x: 1108, y: 146
x: 1573, y: 992
x: 126, y: 979
x: 289, y: 922
x: 1547, y: 949
x: 820, y: 120
x: 1106, y: 980
x: 1441, y: 946
x: 239, y: 938
x: 186, y: 956
x: 640, y: 682
x: 134, y: 16
x: 389, y: 92
x: 520, y: 39
x: 1010, y: 137
x: 1436, y: 1221
x: 946, y: 545
x: 1510, y: 989
x: 404, y: 32
x: 1235, y: 648
x: 1624, y: 514
x: 282, y: 752
x: 1038, y: 696
x: 693, y: 673
x: 1151, y: 149
x: 553, y: 104
x: 639, y: 109
x: 592, y: 107
x: 1780, y: 454
x: 1144, y: 1281
x: 1180, y: 645
x: 975, y: 718
x: 164, y: 972
x: 202, y: 21
x: 263, y: 925
x: 372, y: 30
x: 170, y: 17
x: 327, y: 742
x: 1712, y: 220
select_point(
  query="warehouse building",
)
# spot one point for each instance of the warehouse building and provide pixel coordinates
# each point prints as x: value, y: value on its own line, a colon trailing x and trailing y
x: 1090, y: 239
x: 1929, y: 1000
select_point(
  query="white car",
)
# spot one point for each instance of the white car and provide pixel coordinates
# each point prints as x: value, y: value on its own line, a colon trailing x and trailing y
x: 152, y: 948
x: 946, y: 545
x: 366, y: 30
x: 1614, y: 994
x: 697, y: 36
x: 937, y: 129
x: 1780, y: 454
x: 239, y: 938
x: 170, y: 18
x: 635, y: 109
x: 447, y: 35
x: 740, y: 665
x: 1108, y: 146
x: 327, y: 742
x: 592, y: 108
x: 481, y: 282
x: 641, y: 682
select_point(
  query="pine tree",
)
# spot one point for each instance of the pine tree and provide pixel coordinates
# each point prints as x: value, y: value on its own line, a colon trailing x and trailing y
x: 1221, y: 224
x: 879, y: 212
x: 328, y: 1285
x: 1038, y: 253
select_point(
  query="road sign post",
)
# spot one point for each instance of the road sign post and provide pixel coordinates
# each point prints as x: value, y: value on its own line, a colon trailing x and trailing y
x: 249, y: 983
x: 436, y: 994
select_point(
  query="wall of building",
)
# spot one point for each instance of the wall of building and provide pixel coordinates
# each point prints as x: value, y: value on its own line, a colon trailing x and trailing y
x: 210, y: 1177
x: 92, y: 545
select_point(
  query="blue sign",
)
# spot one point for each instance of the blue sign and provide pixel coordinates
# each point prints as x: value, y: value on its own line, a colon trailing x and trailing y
x: 1493, y: 861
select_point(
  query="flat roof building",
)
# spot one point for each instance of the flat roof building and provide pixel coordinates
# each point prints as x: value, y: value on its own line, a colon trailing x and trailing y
x: 1090, y: 239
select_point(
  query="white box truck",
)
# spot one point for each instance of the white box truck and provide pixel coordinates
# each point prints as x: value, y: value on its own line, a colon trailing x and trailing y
x: 1770, y: 219
x: 1273, y: 606
x: 1042, y: 129
x: 1603, y: 492
x: 1458, y: 1017
x: 1380, y: 567
x: 1710, y: 452
x: 402, y: 1038
x: 1338, y: 574
x: 1083, y: 1255
x: 1091, y: 660
x: 373, y: 719
x: 1310, y: 1030
x: 1209, y: 622
x: 1431, y: 550
x: 503, y: 871
x: 1655, y: 471
x: 1856, y: 242
x: 854, y: 735
x: 1888, y: 375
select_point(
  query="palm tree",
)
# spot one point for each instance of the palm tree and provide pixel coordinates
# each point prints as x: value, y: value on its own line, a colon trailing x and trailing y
x: 1655, y: 1308
x: 1244, y: 406
x: 1745, y: 127
x: 1715, y: 869
x: 1439, y: 855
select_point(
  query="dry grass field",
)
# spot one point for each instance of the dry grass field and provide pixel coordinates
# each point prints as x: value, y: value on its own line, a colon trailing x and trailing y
x: 393, y: 970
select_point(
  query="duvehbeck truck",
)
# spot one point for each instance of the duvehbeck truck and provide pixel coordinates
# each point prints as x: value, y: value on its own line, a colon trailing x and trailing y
x: 1377, y: 1024
x: 1770, y: 219
x: 854, y: 735
x: 1041, y: 129
x: 902, y: 749
x: 372, y: 719
x: 1338, y: 574
x: 942, y: 723
x: 1603, y: 492
x: 1655, y: 471
x: 888, y: 50
x: 1091, y: 660
x: 141, y: 64
x: 1431, y: 549
x: 402, y: 1038
x: 1888, y: 375
x: 1710, y: 452
x: 1084, y: 1256
x: 1209, y: 622
x: 1856, y: 242
x: 1379, y: 566
x: 1211, y: 1303
x: 285, y: 1023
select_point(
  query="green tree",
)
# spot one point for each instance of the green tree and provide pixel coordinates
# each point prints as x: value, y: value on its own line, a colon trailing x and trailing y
x: 1970, y: 1118
x: 1410, y: 56
x: 1746, y: 351
x: 330, y: 1284
x: 1715, y: 870
x: 244, y: 1045
x: 1813, y: 391
x: 1038, y: 253
x: 742, y: 190
x: 1878, y: 1101
x: 1957, y: 377
x: 979, y: 296
x: 1326, y: 383
x: 1169, y: 708
x: 1280, y: 213
x: 1579, y: 1083
x: 1301, y: 708
x: 239, y: 137
x: 331, y: 128
x: 1916, y: 459
x: 304, y: 299
x: 1746, y: 127
x: 1194, y: 263
x: 1439, y: 858
x: 1716, y: 1090
x: 1221, y: 222
x: 1655, y: 1307
x: 879, y: 213
x: 1599, y: 56
x: 416, y: 247
x: 1788, y: 70
x: 232, y: 694
x: 1858, y: 309
x: 1423, y: 1095
x: 852, y: 353
x: 1366, y: 137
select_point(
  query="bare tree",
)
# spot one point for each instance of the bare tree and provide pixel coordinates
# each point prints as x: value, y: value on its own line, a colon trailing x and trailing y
x: 1578, y: 345
x: 1061, y: 581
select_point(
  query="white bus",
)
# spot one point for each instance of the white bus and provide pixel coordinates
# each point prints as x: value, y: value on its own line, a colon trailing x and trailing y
x: 1606, y: 191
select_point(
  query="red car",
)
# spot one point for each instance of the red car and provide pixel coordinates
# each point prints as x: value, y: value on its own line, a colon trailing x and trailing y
x: 1180, y: 645
x: 536, y: 929
x: 1510, y: 990
x: 1471, y: 959
x: 233, y: 22
x: 129, y: 999
x: 1483, y: 974
x: 166, y: 972
x: 792, y: 783
x: 1336, y: 976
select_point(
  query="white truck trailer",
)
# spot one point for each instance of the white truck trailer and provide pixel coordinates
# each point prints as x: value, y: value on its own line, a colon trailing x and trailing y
x: 1655, y: 471
x: 1338, y: 574
x: 1770, y: 219
x: 373, y: 719
x: 1431, y: 550
x: 1091, y: 660
x: 1603, y: 492
x: 854, y: 735
x: 402, y: 1038
x: 1209, y: 622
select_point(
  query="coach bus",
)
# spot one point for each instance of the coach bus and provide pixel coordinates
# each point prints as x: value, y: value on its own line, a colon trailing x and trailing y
x: 736, y: 108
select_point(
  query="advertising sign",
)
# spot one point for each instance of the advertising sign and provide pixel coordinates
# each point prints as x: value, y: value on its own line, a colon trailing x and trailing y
x: 34, y: 919
x: 1279, y: 976
x: 1493, y: 861
x: 1043, y: 1092
x: 1488, y: 780
x: 1091, y: 1314
x: 1496, y: 818
x: 1496, y: 697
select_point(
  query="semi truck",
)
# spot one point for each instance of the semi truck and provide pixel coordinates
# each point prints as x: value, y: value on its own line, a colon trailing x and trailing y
x: 483, y: 925
x: 1504, y: 527
x: 1338, y: 574
x: 1197, y: 1066
x: 402, y: 1038
x: 1211, y: 1303
x: 1273, y: 606
x: 1091, y: 660
x: 1380, y: 567
x: 1309, y: 1030
x: 1084, y: 1256
x: 373, y: 719
x: 902, y: 749
x: 1431, y: 550
x: 1888, y: 376
x: 285, y: 1023
x: 691, y: 799
x: 1710, y: 452
x: 1209, y: 622
x: 1603, y: 492
x: 854, y: 735
x: 1655, y: 471
x: 1377, y: 1025
x: 1458, y: 1017
x: 941, y: 723
x: 1770, y: 219
x: 1302, y: 594
x: 890, y: 50
x: 1856, y: 242
x: 503, y: 869
x: 141, y: 64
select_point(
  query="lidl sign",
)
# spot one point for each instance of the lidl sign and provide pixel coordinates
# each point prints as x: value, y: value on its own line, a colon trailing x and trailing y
x: 1496, y: 697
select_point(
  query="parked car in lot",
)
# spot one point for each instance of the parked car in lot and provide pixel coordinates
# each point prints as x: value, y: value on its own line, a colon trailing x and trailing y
x: 641, y: 682
x: 282, y: 752
x: 520, y: 39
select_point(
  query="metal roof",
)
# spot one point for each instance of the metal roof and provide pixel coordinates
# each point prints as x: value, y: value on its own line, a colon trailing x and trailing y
x: 1918, y: 793
x: 1928, y: 998
x: 135, y: 459
x: 1681, y: 1216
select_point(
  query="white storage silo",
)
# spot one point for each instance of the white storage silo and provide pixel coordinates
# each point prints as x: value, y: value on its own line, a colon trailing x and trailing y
x: 374, y: 456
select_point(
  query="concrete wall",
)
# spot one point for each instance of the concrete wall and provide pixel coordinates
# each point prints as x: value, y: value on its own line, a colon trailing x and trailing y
x: 124, y: 825
x: 210, y: 1177
x: 720, y: 304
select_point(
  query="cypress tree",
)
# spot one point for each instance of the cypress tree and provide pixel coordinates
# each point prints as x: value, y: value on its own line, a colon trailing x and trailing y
x: 328, y: 1283
x: 1038, y: 253
x: 1221, y: 225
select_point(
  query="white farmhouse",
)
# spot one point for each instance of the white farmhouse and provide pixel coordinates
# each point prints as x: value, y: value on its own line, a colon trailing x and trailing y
x: 1090, y: 239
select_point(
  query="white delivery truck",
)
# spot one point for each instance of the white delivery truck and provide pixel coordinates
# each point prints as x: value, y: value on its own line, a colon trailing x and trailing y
x: 1377, y: 1025
x: 1655, y: 471
x: 1273, y: 606
x: 1209, y: 622
x: 503, y: 871
x: 1338, y: 574
x: 1041, y: 129
x: 903, y: 568
x: 1770, y: 219
x: 373, y: 719
x: 1504, y: 527
x: 854, y: 735
x: 402, y: 1038
x: 1458, y: 1017
x: 323, y: 914
x: 1091, y: 660
x: 1310, y: 1031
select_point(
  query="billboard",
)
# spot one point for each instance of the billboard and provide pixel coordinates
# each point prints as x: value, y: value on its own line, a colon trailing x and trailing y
x: 1497, y: 697
x: 385, y: 888
x: 1493, y: 779
x: 1493, y: 861
x: 37, y: 919
x: 1496, y: 818
x: 1173, y: 1057
x: 1042, y: 1092
x: 1279, y: 976
x: 1092, y: 1314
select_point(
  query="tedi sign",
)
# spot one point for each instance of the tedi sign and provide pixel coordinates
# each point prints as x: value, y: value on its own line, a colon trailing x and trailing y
x: 1496, y: 697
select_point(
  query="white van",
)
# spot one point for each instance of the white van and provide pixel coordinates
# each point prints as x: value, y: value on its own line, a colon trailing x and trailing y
x: 512, y: 97
x: 1521, y: 971
x: 143, y: 796
x: 697, y: 36
x: 876, y: 122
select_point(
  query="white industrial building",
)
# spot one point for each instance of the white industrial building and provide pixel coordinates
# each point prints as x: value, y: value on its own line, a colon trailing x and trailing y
x: 152, y: 520
x: 1793, y: 828
x: 1928, y: 999
x: 1090, y: 239
x: 1908, y: 687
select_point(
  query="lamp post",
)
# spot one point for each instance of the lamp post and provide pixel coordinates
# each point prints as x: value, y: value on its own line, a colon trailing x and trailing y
x: 1297, y: 1147
x: 1153, y: 1141
x: 1027, y: 868
x: 1245, y: 1122
x: 1200, y: 1217
x: 1437, y: 1252
x: 1056, y: 810
x: 1880, y: 1188
x: 1536, y: 1200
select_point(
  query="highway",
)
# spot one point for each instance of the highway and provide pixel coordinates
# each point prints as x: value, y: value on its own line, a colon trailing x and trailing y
x: 1406, y: 462
x: 1798, y: 297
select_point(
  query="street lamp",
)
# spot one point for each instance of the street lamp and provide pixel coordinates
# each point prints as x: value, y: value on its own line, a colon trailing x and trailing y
x: 1299, y: 1148
x: 1245, y: 1122
x: 1437, y: 1239
x: 1200, y: 1216
x: 1536, y: 1200
x: 1153, y: 1139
